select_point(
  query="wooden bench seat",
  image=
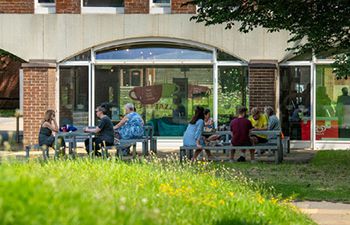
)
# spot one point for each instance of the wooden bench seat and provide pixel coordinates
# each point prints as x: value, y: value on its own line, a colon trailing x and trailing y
x: 274, y: 145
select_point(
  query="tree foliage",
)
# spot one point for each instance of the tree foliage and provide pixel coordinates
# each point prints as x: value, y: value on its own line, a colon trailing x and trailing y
x: 318, y: 25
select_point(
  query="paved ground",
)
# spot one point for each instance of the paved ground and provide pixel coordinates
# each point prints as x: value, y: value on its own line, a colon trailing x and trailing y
x: 326, y: 213
x: 9, y: 123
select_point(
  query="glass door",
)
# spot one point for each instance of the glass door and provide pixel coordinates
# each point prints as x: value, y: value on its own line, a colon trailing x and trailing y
x: 295, y: 102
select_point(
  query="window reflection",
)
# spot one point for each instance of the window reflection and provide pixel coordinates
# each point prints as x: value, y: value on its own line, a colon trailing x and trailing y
x: 74, y: 95
x: 151, y: 52
x: 295, y: 104
x: 164, y: 96
x: 232, y: 92
x: 103, y: 3
x: 332, y: 106
x: 161, y: 1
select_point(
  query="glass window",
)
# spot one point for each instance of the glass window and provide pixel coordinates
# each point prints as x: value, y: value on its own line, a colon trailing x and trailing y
x: 74, y: 95
x: 107, y: 89
x: 45, y: 6
x: 332, y: 106
x: 153, y: 52
x: 307, y: 56
x: 46, y: 1
x: 223, y: 56
x: 103, y: 3
x: 165, y: 96
x: 232, y: 92
x: 295, y: 105
x: 85, y: 56
x: 161, y: 1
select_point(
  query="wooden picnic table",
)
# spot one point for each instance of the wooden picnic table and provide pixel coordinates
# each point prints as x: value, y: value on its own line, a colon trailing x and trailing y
x: 72, y: 138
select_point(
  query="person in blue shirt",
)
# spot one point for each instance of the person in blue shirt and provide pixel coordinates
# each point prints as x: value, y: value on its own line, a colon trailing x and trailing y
x: 193, y: 134
x: 130, y: 127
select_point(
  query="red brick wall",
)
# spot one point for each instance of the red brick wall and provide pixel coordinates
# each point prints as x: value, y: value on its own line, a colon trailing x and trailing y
x: 176, y: 7
x: 17, y: 6
x: 262, y: 87
x: 68, y: 6
x: 39, y: 96
x: 136, y: 6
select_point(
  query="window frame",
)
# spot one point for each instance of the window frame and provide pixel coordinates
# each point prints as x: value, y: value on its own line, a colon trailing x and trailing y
x: 159, y: 8
x: 100, y: 10
x: 44, y: 8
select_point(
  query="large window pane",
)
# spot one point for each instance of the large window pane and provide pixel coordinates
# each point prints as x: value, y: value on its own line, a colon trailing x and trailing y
x: 295, y: 102
x: 161, y: 1
x: 332, y: 106
x: 46, y: 1
x: 74, y: 96
x: 154, y: 52
x: 107, y: 90
x: 103, y: 3
x: 232, y: 92
x: 164, y: 96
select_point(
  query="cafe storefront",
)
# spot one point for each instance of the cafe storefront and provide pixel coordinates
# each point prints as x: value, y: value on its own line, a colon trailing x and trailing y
x: 164, y: 79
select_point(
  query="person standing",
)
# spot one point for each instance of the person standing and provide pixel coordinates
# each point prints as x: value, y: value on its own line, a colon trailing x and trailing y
x: 104, y: 132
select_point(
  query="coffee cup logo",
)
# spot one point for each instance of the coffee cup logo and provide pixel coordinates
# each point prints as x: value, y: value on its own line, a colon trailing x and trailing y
x: 146, y: 95
x: 195, y: 90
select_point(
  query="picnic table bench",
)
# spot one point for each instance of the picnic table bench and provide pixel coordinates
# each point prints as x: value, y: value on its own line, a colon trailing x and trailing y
x: 78, y: 136
x: 274, y: 145
x: 147, y: 138
x: 69, y: 137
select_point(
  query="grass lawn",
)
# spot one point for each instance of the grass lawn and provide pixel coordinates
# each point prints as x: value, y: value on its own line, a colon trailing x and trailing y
x: 108, y: 192
x: 326, y: 177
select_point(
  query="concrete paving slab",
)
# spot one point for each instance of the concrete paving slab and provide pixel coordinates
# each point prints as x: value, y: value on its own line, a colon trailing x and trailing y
x: 9, y: 123
x: 326, y: 213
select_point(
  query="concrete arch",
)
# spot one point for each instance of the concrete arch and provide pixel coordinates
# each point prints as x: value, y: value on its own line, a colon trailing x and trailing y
x: 148, y: 40
x: 58, y: 36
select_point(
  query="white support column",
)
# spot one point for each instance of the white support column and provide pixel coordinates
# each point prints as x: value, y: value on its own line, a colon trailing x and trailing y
x: 92, y: 89
x: 57, y: 94
x: 21, y: 77
x: 215, y: 89
x: 313, y: 102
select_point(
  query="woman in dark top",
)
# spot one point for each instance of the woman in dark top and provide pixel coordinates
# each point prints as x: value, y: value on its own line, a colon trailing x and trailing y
x: 104, y: 132
x: 48, y: 126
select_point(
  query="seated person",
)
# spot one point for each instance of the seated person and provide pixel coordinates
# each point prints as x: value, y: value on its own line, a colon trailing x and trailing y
x: 104, y: 132
x: 273, y: 123
x: 208, y: 121
x: 193, y: 133
x: 240, y: 128
x: 131, y: 126
x: 47, y: 128
x: 259, y: 122
x: 209, y: 127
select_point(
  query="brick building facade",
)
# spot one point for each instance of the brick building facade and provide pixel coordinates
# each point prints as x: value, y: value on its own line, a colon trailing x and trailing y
x: 77, y: 34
